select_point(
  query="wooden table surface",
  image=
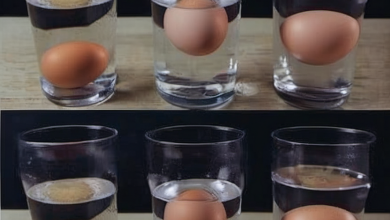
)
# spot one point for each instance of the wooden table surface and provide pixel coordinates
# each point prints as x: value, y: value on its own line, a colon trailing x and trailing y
x: 24, y: 215
x: 20, y: 89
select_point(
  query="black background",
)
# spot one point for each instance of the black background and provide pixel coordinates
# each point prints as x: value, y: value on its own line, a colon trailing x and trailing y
x: 250, y: 8
x: 134, y: 196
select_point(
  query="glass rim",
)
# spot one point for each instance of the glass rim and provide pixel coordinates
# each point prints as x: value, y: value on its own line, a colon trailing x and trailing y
x: 50, y: 144
x: 241, y: 133
x: 371, y: 138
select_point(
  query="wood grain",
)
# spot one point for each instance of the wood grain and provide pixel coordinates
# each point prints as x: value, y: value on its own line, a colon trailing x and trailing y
x: 20, y: 89
x: 25, y: 215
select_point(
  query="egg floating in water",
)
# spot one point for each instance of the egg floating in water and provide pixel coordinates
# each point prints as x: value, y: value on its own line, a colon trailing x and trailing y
x: 69, y: 3
x: 319, y: 37
x: 318, y: 212
x: 196, y: 27
x: 195, y: 204
x: 74, y: 64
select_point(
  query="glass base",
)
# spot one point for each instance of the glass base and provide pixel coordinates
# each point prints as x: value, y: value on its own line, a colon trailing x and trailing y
x: 92, y: 94
x: 311, y: 98
x: 215, y: 102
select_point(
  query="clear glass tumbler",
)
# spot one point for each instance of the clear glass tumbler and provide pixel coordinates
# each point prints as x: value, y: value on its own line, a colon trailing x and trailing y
x: 69, y: 172
x: 315, y: 44
x: 195, y: 172
x: 195, y: 51
x: 319, y: 171
x: 75, y: 46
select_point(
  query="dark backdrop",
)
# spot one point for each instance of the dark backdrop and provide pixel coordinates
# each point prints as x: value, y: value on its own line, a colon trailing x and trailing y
x: 251, y: 8
x: 134, y: 194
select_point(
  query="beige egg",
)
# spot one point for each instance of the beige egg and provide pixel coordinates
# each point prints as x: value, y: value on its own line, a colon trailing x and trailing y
x: 318, y: 212
x: 319, y: 37
x: 196, y: 28
x: 195, y: 204
x: 74, y: 64
x: 69, y: 191
x: 69, y: 3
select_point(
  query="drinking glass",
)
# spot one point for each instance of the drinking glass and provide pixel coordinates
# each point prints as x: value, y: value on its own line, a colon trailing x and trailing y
x: 320, y: 171
x: 315, y: 44
x: 69, y: 172
x: 195, y: 172
x: 195, y: 51
x: 75, y: 47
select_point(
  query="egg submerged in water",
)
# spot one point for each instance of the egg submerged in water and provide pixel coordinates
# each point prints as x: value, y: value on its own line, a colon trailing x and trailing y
x: 74, y: 64
x: 196, y: 27
x: 318, y: 212
x: 319, y: 37
x: 195, y: 204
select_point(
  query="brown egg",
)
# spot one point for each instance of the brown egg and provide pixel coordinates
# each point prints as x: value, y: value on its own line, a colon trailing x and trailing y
x: 196, y: 27
x: 195, y: 204
x: 319, y: 37
x: 74, y: 64
x: 318, y: 212
x: 195, y: 4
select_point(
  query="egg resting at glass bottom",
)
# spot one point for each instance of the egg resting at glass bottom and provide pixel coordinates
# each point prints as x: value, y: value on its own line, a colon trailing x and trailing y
x: 74, y: 64
x: 319, y: 37
x: 196, y: 32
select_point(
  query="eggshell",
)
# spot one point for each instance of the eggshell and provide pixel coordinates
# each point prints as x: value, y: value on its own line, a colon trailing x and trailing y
x: 196, y: 27
x: 319, y: 37
x: 328, y: 181
x: 195, y: 204
x: 74, y: 64
x: 196, y: 195
x: 70, y: 191
x: 195, y: 4
x: 318, y: 212
x: 69, y: 3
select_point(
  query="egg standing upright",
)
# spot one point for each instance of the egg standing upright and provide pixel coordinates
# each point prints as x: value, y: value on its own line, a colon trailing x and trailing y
x: 195, y: 51
x: 75, y: 46
x: 315, y: 44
